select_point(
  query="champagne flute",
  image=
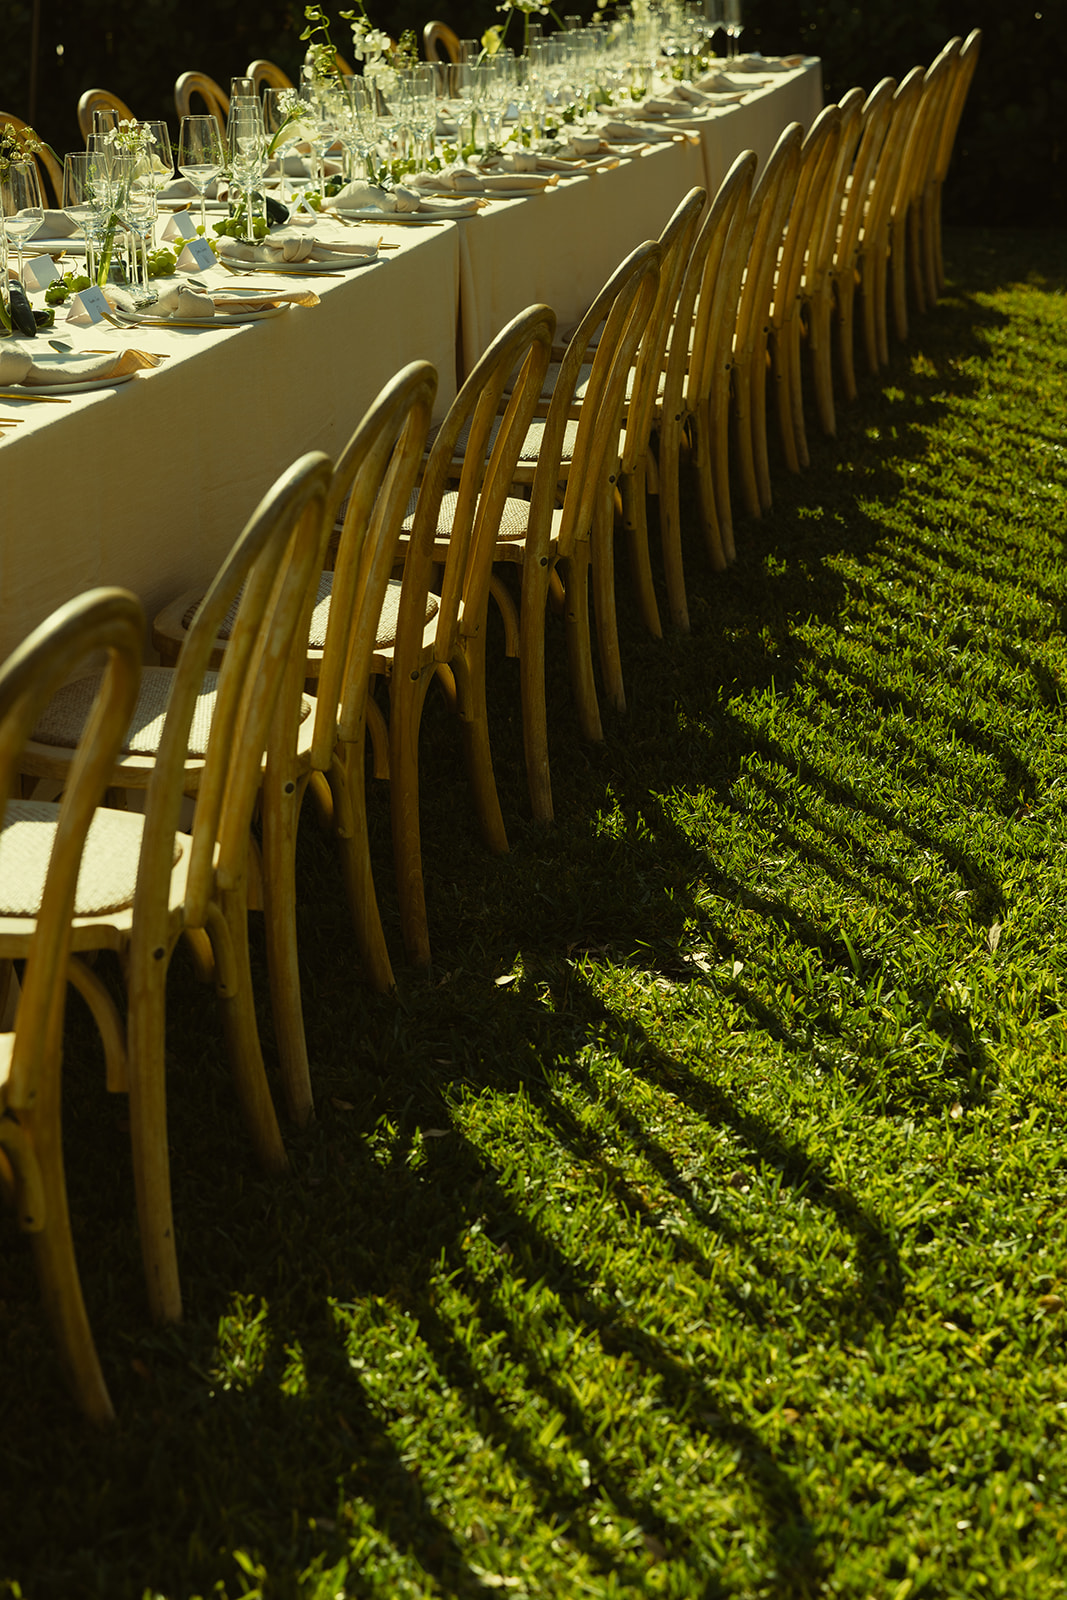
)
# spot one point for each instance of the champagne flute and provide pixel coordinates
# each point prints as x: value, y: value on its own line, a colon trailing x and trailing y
x: 80, y: 202
x: 200, y: 156
x: 247, y: 138
x: 21, y: 205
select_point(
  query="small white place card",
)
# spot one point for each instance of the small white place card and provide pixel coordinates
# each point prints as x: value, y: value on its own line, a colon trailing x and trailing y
x: 40, y: 272
x: 89, y: 306
x: 182, y: 225
x: 197, y: 256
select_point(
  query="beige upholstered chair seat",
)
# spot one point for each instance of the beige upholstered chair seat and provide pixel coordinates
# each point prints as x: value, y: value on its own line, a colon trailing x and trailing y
x: 108, y: 875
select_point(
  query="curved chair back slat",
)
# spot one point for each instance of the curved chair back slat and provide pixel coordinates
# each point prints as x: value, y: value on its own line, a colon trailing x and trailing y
x: 214, y: 96
x: 440, y: 42
x: 100, y: 100
x: 266, y: 74
x: 47, y: 165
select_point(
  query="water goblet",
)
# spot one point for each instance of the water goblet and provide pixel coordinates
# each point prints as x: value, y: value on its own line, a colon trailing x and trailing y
x: 200, y: 156
x: 21, y: 205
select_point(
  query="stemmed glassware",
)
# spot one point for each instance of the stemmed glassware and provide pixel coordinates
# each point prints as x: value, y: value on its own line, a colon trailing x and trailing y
x: 247, y: 138
x: 156, y: 166
x: 200, y: 156
x: 734, y: 25
x: 21, y: 205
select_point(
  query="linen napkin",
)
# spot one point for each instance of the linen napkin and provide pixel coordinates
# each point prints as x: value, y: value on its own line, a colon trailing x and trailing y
x: 281, y: 249
x: 402, y: 201
x: 56, y: 225
x: 624, y: 132
x: 39, y: 371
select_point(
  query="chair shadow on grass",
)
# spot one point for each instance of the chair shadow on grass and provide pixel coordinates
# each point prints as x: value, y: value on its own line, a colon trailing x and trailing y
x: 264, y: 1464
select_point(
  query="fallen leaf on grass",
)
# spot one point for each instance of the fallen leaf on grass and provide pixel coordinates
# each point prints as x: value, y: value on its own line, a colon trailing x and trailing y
x: 341, y: 1105
x: 655, y: 1547
x: 1051, y: 1302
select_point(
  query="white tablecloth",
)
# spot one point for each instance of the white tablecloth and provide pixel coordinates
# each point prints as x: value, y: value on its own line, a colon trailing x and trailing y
x: 147, y: 485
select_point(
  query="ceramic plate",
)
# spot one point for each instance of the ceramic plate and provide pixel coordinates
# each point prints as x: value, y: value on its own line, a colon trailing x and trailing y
x: 310, y: 269
x: 78, y: 386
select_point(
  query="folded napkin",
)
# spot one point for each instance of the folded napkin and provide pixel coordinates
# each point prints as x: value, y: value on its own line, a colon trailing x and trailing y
x: 403, y: 201
x: 758, y: 63
x: 181, y: 301
x: 658, y: 108
x: 40, y: 370
x: 624, y: 133
x: 56, y: 225
x: 584, y: 144
x: 281, y: 249
x: 450, y: 180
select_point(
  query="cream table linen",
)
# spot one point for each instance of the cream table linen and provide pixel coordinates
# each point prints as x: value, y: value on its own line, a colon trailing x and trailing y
x: 560, y: 247
x: 147, y: 485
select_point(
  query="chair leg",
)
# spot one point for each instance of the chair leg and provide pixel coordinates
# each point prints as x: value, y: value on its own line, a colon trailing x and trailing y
x: 109, y: 1024
x: 607, y: 626
x: 228, y: 927
x: 635, y: 523
x: 846, y: 322
x: 873, y: 287
x: 781, y: 379
x: 575, y: 573
x: 146, y: 1031
x: 57, y: 1269
x: 349, y: 791
x: 718, y: 461
x: 759, y: 427
x: 469, y: 672
x: 796, y: 389
x: 916, y: 274
x: 408, y: 698
x: 670, y: 522
x: 819, y: 346
x: 532, y: 618
x: 281, y: 800
x: 746, y: 458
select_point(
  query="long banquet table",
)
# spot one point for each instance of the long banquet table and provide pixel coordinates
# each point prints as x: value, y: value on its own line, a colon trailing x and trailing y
x: 147, y: 484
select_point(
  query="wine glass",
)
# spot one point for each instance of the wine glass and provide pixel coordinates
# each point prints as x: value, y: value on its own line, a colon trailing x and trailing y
x: 247, y: 137
x: 734, y: 24
x: 200, y: 156
x: 81, y: 202
x: 21, y: 205
x: 157, y: 164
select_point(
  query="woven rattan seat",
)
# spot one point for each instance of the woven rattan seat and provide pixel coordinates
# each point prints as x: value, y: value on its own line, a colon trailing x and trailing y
x: 108, y: 875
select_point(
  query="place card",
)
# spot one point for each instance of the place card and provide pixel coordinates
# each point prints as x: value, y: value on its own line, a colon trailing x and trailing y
x: 197, y: 256
x: 182, y: 225
x: 89, y: 306
x: 39, y: 273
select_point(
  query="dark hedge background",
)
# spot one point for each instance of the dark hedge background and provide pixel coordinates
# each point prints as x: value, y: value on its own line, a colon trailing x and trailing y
x: 1009, y: 166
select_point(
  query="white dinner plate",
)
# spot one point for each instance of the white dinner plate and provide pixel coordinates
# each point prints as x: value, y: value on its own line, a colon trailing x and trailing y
x: 55, y: 247
x: 221, y: 319
x: 78, y: 386
x: 310, y: 269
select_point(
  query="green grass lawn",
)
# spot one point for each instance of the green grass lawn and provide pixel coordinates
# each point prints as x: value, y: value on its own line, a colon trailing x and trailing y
x: 697, y: 1227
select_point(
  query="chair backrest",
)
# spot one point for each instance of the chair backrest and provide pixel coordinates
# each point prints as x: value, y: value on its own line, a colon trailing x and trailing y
x: 517, y: 358
x: 966, y: 62
x: 875, y: 119
x: 920, y: 154
x: 803, y: 225
x: 213, y: 95
x: 109, y: 620
x: 267, y: 74
x: 373, y: 482
x: 883, y: 185
x: 100, y: 100
x: 676, y: 243
x: 277, y: 560
x: 440, y: 42
x: 703, y: 332
x: 47, y: 165
x: 620, y: 311
x: 820, y: 256
x: 767, y: 212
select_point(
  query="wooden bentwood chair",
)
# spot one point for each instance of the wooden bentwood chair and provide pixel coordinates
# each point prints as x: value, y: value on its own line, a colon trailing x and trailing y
x: 41, y: 852
x: 203, y: 734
